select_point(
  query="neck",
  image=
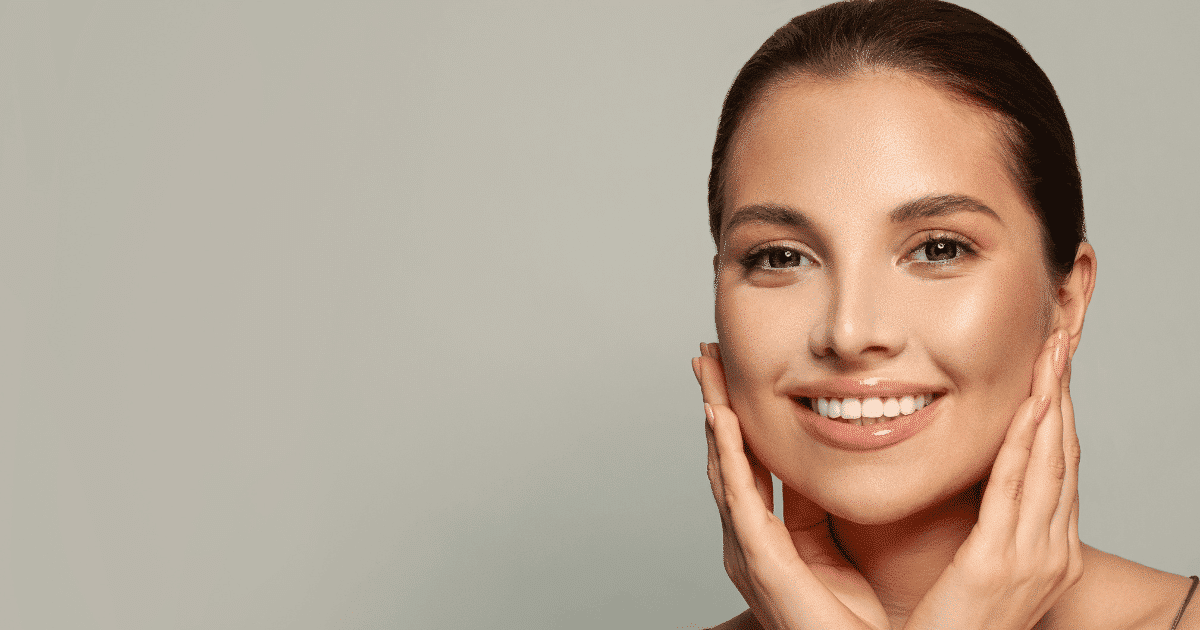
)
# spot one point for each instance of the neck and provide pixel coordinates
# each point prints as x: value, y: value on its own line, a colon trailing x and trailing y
x: 902, y: 560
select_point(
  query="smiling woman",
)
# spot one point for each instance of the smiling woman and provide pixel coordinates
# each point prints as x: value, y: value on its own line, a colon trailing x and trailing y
x: 901, y: 282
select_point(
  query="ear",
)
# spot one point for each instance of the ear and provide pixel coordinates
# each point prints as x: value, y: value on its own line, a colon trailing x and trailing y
x: 1075, y: 294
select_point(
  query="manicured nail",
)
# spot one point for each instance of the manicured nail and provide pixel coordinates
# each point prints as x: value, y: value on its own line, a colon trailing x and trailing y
x: 696, y: 368
x: 1043, y: 407
x: 708, y: 414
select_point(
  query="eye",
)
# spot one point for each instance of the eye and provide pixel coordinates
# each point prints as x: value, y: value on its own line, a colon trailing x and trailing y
x: 941, y: 249
x: 774, y: 258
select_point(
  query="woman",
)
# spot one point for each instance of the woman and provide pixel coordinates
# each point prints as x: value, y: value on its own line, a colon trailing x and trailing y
x: 901, y: 281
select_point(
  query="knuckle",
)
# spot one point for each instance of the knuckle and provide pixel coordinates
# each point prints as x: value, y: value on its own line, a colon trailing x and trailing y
x: 1057, y: 466
x: 1014, y: 487
x: 1073, y: 452
x: 731, y: 499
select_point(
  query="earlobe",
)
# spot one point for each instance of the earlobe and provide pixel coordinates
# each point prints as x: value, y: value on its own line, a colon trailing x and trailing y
x: 1076, y: 293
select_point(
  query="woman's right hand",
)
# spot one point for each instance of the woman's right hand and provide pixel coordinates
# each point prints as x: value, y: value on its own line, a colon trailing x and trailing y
x: 790, y: 572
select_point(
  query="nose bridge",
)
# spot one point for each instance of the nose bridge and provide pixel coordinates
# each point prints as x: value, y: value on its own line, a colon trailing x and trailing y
x: 857, y: 322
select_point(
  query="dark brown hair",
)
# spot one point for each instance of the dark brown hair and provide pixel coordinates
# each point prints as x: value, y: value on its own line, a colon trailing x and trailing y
x: 954, y: 48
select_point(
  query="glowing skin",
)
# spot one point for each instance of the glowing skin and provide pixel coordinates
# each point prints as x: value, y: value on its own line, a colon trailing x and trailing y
x: 849, y: 294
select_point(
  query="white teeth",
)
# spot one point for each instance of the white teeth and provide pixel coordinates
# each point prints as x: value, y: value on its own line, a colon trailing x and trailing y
x: 870, y: 411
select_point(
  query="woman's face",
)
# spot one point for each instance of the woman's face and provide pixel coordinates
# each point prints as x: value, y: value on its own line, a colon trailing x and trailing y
x: 875, y: 247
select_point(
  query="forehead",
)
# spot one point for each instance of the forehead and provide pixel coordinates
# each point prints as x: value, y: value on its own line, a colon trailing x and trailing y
x: 871, y: 142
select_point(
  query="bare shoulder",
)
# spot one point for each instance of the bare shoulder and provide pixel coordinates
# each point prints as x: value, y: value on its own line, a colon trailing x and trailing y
x: 1119, y: 594
x: 744, y: 621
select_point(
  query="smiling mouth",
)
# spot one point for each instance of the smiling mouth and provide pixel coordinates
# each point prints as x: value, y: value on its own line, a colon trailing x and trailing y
x: 867, y: 411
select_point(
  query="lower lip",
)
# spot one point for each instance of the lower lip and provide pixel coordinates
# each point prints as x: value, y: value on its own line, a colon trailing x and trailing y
x: 852, y: 437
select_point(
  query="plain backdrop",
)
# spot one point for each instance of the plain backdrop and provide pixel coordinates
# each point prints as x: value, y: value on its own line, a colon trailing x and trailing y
x: 378, y: 315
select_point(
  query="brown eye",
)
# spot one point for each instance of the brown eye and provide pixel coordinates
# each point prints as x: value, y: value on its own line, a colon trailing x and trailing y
x: 780, y: 258
x: 941, y: 250
x: 776, y: 258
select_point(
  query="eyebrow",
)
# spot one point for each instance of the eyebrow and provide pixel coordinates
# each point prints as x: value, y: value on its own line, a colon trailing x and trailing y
x: 923, y: 208
x: 768, y: 213
x: 940, y: 206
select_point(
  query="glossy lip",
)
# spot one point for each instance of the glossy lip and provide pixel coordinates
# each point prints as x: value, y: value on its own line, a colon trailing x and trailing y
x: 852, y: 437
x: 876, y: 387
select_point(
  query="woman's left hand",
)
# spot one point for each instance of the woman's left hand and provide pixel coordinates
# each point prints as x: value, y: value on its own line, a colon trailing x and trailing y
x: 1024, y: 551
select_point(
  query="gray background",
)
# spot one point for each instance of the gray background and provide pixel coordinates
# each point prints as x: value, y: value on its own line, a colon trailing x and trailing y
x: 367, y: 315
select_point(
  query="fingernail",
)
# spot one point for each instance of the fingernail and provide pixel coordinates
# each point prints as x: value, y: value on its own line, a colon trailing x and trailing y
x: 1043, y: 407
x: 696, y: 368
x: 708, y: 414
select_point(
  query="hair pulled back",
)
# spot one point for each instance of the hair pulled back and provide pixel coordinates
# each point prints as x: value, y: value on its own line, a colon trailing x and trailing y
x: 957, y: 50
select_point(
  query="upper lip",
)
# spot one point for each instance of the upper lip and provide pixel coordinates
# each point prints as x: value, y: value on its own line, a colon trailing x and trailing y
x: 876, y: 387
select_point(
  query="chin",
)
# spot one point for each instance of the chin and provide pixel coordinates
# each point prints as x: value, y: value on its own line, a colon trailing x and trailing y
x: 883, y: 501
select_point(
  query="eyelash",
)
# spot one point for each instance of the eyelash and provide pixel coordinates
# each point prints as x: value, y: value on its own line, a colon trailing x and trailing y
x: 757, y: 258
x: 963, y: 248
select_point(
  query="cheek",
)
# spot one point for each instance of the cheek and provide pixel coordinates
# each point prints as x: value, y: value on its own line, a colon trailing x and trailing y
x: 763, y: 335
x: 988, y: 332
x: 761, y: 332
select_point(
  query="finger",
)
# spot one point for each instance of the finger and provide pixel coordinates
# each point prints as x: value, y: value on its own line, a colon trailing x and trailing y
x: 696, y: 368
x: 714, y: 474
x: 712, y: 381
x: 1045, y: 477
x: 762, y: 480
x: 746, y: 506
x: 1068, y: 498
x: 771, y: 575
x: 1075, y: 546
x: 1000, y: 507
x: 712, y: 378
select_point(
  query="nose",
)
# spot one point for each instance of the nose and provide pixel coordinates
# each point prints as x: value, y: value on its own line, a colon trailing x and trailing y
x: 863, y: 319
